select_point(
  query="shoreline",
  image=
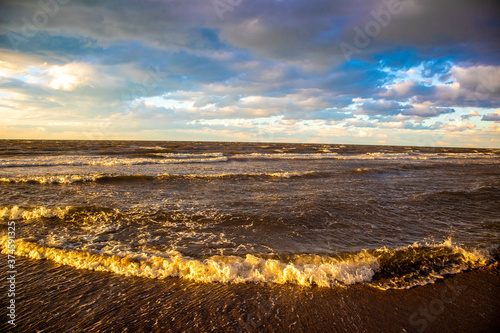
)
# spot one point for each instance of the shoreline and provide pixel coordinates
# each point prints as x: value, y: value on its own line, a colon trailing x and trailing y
x: 53, y: 297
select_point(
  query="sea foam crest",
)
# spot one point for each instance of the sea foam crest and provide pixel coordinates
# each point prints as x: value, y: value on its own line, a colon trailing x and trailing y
x: 226, y: 269
x: 306, y: 270
x: 186, y: 155
x: 52, y: 179
x: 285, y: 174
x: 286, y: 156
x: 110, y: 161
x: 71, y: 179
x: 366, y: 156
x: 17, y: 213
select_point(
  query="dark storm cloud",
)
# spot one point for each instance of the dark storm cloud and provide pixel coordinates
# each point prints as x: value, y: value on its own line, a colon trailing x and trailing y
x: 283, y: 30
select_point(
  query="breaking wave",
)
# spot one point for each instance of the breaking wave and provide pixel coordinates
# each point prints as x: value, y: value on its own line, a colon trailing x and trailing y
x: 285, y: 156
x: 175, y: 158
x: 70, y: 179
x: 112, y: 161
x: 366, y: 156
x: 400, y: 268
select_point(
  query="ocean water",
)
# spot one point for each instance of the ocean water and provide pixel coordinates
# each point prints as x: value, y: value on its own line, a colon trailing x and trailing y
x: 269, y: 213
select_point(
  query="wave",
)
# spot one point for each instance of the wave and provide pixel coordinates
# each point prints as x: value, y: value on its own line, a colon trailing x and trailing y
x: 111, y: 161
x: 70, y: 179
x: 52, y: 179
x: 480, y: 194
x: 288, y: 174
x: 417, y: 156
x: 360, y: 170
x: 16, y: 213
x: 285, y: 156
x: 186, y: 155
x: 174, y: 158
x: 367, y: 156
x: 400, y: 268
x: 421, y: 264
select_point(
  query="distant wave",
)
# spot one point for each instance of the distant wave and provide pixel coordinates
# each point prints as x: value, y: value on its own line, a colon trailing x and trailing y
x: 51, y: 179
x: 243, y: 175
x: 366, y: 156
x: 400, y: 268
x: 417, y: 156
x: 360, y: 170
x: 286, y: 156
x: 173, y: 158
x: 16, y: 213
x: 482, y: 194
x: 112, y: 161
x: 190, y: 156
x: 70, y: 179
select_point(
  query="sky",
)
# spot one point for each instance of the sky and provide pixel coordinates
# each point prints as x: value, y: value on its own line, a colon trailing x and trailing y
x: 389, y: 72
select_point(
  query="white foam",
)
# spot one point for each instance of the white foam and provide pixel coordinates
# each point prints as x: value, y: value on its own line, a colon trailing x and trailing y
x: 17, y: 213
x: 52, y: 179
x: 185, y: 155
x: 107, y: 160
x: 286, y: 156
x: 287, y: 174
x: 70, y: 179
x: 227, y: 269
x: 368, y: 156
x: 174, y: 158
x: 301, y: 269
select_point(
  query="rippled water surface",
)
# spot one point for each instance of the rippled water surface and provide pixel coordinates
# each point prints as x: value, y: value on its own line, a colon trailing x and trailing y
x: 326, y: 215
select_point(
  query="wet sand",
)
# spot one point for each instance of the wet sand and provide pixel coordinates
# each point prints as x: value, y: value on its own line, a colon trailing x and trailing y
x: 55, y: 298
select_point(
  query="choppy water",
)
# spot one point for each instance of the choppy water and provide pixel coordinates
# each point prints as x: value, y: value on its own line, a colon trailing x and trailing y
x: 307, y: 214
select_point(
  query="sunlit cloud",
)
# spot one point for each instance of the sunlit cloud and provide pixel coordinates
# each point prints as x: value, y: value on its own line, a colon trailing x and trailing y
x: 69, y: 76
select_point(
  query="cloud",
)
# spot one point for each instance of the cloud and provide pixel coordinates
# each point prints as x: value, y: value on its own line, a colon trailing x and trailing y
x: 69, y: 76
x: 493, y: 116
x: 477, y: 86
x: 426, y: 111
x: 404, y: 90
x: 380, y: 107
x: 459, y: 126
x: 360, y: 123
x: 481, y: 80
x: 169, y: 63
x: 471, y: 114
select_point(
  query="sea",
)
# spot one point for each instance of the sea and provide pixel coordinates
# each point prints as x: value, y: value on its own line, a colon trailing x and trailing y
x: 214, y: 219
